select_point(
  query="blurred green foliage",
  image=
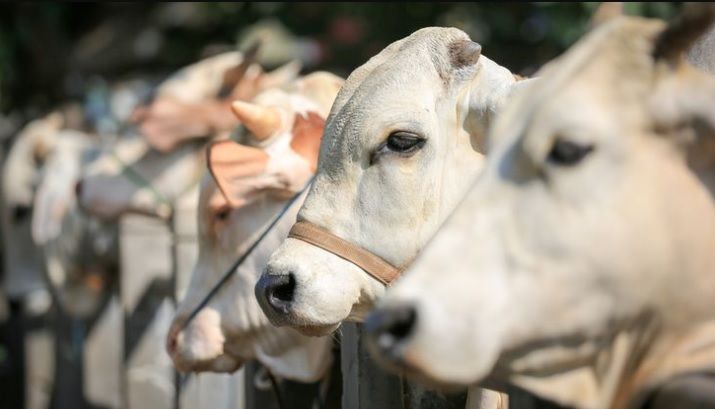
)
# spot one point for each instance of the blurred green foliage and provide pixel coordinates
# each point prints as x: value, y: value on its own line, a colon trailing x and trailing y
x: 50, y: 51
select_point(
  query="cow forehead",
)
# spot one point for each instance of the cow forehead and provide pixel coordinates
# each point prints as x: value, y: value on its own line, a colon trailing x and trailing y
x: 422, y: 56
x: 400, y: 92
x: 583, y: 77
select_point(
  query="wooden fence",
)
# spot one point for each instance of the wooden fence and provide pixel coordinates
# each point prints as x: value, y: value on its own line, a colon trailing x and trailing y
x: 118, y: 360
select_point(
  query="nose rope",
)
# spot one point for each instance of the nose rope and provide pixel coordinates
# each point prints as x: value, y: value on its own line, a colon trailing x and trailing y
x: 227, y: 275
x: 369, y: 262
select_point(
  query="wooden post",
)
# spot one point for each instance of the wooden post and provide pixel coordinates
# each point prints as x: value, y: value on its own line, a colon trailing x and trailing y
x: 102, y: 358
x: 365, y: 385
x: 257, y: 398
x: 146, y: 298
x: 221, y: 391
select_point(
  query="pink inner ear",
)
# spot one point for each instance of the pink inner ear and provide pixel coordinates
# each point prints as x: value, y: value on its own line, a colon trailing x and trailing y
x: 231, y: 164
x: 307, y: 133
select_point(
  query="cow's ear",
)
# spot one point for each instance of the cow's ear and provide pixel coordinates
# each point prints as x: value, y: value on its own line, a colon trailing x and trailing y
x: 606, y: 11
x: 237, y: 170
x: 464, y: 53
x: 673, y: 42
x: 683, y: 101
x: 307, y: 133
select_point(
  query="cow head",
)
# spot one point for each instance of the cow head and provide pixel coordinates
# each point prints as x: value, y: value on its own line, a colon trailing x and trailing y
x: 592, y: 220
x: 402, y: 142
x: 194, y: 102
x: 251, y: 182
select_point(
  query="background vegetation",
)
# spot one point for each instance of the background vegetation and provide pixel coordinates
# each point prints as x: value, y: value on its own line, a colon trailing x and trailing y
x: 52, y: 52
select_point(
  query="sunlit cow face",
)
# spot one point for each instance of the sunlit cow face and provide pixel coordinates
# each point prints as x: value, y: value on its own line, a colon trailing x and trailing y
x: 401, y: 145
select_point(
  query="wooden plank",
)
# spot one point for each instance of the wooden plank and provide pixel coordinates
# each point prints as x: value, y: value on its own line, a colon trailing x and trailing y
x: 365, y: 385
x: 12, y: 356
x: 258, y: 397
x: 102, y: 358
x: 210, y: 390
x: 222, y: 391
x: 146, y: 284
x: 40, y: 368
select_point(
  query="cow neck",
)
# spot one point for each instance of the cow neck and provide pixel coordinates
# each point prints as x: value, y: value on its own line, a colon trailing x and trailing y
x: 372, y: 264
x: 625, y: 374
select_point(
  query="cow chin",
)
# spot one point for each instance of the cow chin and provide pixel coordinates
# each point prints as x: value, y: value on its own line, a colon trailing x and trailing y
x: 325, y: 289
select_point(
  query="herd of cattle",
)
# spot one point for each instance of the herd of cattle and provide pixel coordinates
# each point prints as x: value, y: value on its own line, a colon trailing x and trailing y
x: 554, y: 233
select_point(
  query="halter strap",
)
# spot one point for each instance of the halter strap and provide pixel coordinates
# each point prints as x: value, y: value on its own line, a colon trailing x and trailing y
x: 372, y: 264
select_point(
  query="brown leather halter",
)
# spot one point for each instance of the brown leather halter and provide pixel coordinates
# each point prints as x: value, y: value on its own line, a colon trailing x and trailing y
x: 375, y: 266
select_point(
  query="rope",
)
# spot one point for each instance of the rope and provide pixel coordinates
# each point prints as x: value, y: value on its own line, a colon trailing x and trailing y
x: 276, y: 389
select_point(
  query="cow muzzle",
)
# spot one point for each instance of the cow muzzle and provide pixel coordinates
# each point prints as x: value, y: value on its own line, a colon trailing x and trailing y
x: 296, y: 277
x: 389, y: 329
x: 199, y: 345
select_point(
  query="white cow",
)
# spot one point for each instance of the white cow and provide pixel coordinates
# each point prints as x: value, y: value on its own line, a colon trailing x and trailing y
x: 402, y: 143
x: 580, y: 265
x: 251, y: 183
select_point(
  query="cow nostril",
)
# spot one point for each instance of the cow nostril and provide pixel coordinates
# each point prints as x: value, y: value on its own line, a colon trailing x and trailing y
x: 284, y: 291
x: 280, y: 291
x: 389, y: 327
x: 402, y: 327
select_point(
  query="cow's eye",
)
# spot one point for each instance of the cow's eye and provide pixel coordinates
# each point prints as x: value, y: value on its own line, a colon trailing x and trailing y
x: 404, y: 142
x: 568, y: 153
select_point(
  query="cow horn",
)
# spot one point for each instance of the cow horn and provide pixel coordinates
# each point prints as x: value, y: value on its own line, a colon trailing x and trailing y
x: 677, y: 38
x: 463, y: 53
x: 263, y: 122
